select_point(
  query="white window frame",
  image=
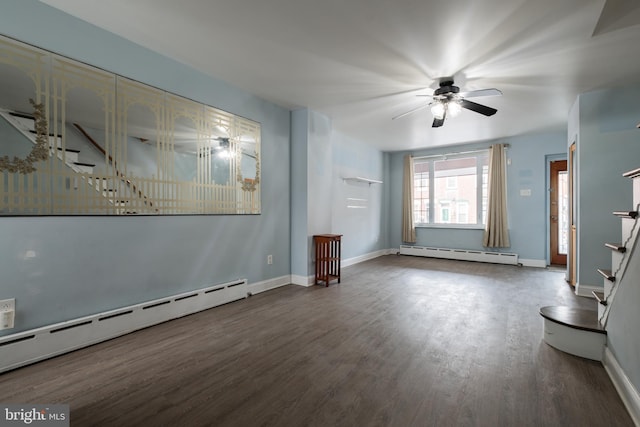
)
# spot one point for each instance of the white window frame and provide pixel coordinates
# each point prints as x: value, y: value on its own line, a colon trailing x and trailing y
x: 482, y: 157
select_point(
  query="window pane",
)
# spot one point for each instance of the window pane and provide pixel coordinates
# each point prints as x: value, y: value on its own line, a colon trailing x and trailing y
x: 451, y: 190
x: 563, y: 212
x: 485, y: 188
x: 421, y: 193
x: 455, y: 187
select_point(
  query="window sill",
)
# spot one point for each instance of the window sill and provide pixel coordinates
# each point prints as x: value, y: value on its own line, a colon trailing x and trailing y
x: 453, y: 226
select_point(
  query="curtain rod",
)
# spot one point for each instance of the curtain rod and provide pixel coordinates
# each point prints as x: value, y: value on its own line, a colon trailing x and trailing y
x: 455, y: 153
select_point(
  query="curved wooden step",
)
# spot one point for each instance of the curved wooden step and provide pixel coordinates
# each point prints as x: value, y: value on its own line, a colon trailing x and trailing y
x: 576, y: 318
x: 574, y: 330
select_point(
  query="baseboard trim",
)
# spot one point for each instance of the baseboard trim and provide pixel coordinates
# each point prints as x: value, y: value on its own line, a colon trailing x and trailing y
x: 310, y: 280
x: 628, y: 393
x: 302, y: 280
x: 34, y: 345
x: 585, y: 290
x: 366, y: 257
x: 537, y: 263
x: 267, y: 285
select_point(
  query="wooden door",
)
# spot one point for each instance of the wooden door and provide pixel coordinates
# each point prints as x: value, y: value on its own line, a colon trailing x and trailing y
x: 559, y: 213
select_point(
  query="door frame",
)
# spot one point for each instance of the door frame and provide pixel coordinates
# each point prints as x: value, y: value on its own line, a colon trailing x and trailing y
x: 572, y: 255
x: 550, y: 158
x: 560, y: 259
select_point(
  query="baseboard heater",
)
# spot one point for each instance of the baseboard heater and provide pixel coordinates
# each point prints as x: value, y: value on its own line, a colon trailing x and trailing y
x: 460, y: 254
x: 42, y: 343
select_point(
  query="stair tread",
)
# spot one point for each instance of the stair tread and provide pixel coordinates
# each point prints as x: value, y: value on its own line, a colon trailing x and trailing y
x: 577, y: 318
x: 69, y: 150
x: 599, y: 295
x: 84, y: 164
x: 626, y: 214
x: 22, y: 115
x: 632, y: 173
x: 51, y: 134
x: 616, y: 247
x: 607, y: 274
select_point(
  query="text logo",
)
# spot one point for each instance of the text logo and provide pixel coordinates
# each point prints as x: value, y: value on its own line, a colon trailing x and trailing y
x: 34, y: 415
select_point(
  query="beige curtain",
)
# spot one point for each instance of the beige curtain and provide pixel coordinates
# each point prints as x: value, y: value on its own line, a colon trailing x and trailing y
x: 496, y: 232
x: 408, y: 226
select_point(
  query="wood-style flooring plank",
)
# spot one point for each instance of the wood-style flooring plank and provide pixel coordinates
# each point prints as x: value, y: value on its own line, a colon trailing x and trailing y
x: 402, y: 341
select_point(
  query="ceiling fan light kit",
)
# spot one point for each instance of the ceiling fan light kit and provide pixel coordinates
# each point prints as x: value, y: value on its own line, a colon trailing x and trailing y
x: 448, y: 101
x: 449, y: 108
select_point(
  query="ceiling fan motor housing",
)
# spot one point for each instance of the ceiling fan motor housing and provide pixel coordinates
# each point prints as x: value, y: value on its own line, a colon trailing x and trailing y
x: 446, y: 87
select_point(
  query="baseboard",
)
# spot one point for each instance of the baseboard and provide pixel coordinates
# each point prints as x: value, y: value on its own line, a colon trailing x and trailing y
x: 538, y: 263
x: 460, y: 254
x: 31, y: 346
x: 585, y: 290
x: 267, y: 285
x: 366, y: 257
x: 310, y: 280
x: 302, y: 280
x: 628, y: 393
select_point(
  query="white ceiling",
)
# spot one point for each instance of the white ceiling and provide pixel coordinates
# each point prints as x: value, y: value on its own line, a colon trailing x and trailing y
x: 362, y: 62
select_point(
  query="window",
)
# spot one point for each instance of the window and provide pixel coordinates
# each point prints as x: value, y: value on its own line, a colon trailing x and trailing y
x: 462, y: 212
x: 444, y: 212
x: 451, y: 189
x: 421, y: 194
x: 452, y: 182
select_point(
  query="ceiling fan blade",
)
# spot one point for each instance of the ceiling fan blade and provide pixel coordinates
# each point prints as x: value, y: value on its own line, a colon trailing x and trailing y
x: 481, y: 92
x: 439, y: 122
x: 410, y: 111
x: 478, y: 108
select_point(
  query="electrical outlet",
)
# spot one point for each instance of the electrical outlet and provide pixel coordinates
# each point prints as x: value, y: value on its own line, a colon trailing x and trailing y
x: 7, y: 313
x: 8, y: 305
x: 269, y: 259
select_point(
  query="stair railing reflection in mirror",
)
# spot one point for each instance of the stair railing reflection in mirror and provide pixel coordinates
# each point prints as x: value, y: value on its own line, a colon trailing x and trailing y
x: 117, y: 146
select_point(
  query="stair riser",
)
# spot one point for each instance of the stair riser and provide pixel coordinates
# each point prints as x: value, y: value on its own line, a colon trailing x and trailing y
x: 627, y: 225
x: 574, y: 341
x: 26, y: 124
x: 636, y: 192
x: 608, y: 286
x: 82, y: 169
x: 616, y: 259
x: 69, y: 157
x: 601, y: 309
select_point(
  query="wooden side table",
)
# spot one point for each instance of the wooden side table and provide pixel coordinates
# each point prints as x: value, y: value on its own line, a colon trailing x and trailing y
x: 327, y: 257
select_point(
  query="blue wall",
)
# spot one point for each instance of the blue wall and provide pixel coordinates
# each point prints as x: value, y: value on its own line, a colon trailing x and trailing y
x: 299, y: 214
x: 608, y: 145
x: 60, y: 268
x: 358, y: 209
x: 527, y: 214
x: 323, y: 202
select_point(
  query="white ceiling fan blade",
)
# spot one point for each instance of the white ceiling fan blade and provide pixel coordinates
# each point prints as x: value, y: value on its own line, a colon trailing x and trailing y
x: 480, y: 92
x: 410, y: 111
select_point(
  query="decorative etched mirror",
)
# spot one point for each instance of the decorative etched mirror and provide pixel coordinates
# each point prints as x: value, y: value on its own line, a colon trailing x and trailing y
x: 77, y: 140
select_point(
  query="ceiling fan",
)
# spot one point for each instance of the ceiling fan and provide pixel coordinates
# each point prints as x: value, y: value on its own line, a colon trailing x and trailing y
x: 449, y: 101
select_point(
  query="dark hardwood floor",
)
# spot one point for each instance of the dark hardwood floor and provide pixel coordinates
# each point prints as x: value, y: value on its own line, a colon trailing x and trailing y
x: 402, y: 341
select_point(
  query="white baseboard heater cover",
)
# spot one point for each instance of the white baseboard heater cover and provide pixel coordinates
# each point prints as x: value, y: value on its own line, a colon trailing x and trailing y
x: 42, y: 343
x: 460, y: 254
